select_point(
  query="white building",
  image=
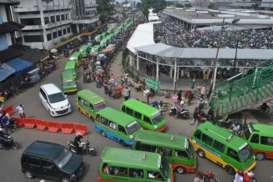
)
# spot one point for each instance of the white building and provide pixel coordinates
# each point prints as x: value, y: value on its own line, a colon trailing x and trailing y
x: 46, y: 21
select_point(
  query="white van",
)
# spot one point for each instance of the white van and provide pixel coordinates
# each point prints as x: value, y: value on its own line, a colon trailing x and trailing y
x: 54, y: 100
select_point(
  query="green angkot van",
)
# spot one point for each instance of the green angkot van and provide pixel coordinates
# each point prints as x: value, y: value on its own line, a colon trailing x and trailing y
x: 116, y: 126
x: 223, y: 148
x: 122, y: 165
x: 175, y: 148
x: 148, y: 117
x: 68, y: 81
x: 76, y: 56
x: 89, y: 103
x: 260, y: 138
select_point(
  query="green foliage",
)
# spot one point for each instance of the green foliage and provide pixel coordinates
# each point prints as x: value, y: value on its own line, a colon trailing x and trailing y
x: 105, y: 9
x: 157, y: 5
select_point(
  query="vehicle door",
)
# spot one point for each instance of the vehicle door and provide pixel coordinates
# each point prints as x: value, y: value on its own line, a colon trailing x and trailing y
x: 267, y: 146
x: 84, y: 106
x: 233, y: 159
x: 34, y: 166
x: 44, y: 99
x: 49, y: 170
x: 254, y: 141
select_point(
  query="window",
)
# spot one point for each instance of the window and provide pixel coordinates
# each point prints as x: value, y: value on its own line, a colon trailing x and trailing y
x: 52, y: 19
x: 43, y: 94
x: 148, y: 148
x: 66, y: 16
x: 123, y: 109
x: 207, y: 139
x: 68, y: 30
x: 58, y: 18
x: 147, y: 120
x: 197, y: 134
x: 255, y: 138
x: 33, y: 38
x: 91, y: 106
x: 63, y: 17
x: 59, y: 33
x: 34, y: 162
x: 46, y: 20
x: 105, y: 122
x: 49, y: 36
x: 98, y: 118
x: 129, y: 111
x: 121, y: 129
x: 219, y: 146
x: 64, y: 31
x: 47, y: 165
x: 266, y: 141
x: 113, y: 125
x: 118, y: 171
x: 154, y: 175
x: 31, y: 21
x: 136, y: 173
x: 137, y: 115
x: 179, y: 153
x: 233, y: 154
x: 55, y: 35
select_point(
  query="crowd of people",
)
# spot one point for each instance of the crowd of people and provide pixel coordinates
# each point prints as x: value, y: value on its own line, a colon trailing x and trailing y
x: 177, y: 35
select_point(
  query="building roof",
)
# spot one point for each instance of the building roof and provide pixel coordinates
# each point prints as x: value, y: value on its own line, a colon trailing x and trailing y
x: 168, y: 51
x: 143, y: 35
x: 20, y: 65
x: 131, y: 158
x: 9, y: 2
x: 90, y: 96
x: 10, y: 53
x: 141, y: 107
x: 5, y: 71
x: 121, y: 118
x: 222, y: 135
x: 178, y: 142
x: 10, y: 27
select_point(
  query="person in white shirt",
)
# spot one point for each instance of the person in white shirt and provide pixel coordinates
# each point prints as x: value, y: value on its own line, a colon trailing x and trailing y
x: 20, y: 111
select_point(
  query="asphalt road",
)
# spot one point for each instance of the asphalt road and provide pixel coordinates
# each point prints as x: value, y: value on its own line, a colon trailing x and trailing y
x: 10, y: 160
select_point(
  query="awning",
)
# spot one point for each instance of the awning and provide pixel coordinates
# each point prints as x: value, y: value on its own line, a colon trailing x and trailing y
x: 5, y: 71
x: 20, y: 65
x: 10, y: 27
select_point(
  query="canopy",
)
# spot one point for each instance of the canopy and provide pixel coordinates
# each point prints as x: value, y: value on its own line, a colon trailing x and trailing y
x: 5, y: 71
x: 19, y: 65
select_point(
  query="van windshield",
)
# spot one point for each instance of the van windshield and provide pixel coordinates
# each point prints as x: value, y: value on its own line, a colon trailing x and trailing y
x: 63, y: 158
x: 132, y: 127
x: 190, y: 150
x: 164, y: 168
x: 99, y: 106
x: 245, y: 153
x: 156, y: 118
x: 58, y: 97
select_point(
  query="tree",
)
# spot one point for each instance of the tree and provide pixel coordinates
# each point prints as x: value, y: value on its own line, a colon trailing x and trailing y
x: 104, y: 9
x: 157, y: 5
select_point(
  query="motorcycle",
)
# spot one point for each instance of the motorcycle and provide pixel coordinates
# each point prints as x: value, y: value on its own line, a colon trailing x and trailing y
x: 85, y: 148
x: 183, y: 114
x: 209, y: 176
x: 7, y: 142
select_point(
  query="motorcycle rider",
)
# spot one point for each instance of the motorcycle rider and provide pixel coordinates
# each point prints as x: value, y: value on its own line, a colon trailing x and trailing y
x: 78, y: 142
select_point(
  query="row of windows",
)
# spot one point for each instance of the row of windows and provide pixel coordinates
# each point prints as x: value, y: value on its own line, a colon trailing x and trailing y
x: 33, y: 38
x: 136, y: 114
x: 263, y: 140
x: 130, y: 172
x: 58, y: 33
x: 111, y: 124
x: 57, y: 18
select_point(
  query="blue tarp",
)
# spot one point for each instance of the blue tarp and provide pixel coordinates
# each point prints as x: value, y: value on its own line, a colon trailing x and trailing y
x: 20, y: 65
x: 5, y: 71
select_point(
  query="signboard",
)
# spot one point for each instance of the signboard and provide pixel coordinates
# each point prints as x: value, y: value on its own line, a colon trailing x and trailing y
x: 153, y: 84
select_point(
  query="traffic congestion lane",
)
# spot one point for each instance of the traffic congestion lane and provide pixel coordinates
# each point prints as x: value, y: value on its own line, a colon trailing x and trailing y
x: 10, y: 171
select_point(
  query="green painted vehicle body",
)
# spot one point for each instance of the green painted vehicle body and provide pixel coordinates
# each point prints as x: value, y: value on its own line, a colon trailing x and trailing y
x: 68, y: 81
x: 177, y: 149
x: 70, y: 65
x: 76, y: 56
x: 130, y: 160
x: 148, y: 117
x: 117, y: 125
x: 89, y: 103
x: 260, y: 138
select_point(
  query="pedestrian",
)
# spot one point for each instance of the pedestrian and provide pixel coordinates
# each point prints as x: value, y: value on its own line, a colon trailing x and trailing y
x: 238, y: 177
x: 20, y: 110
x: 199, y: 177
x: 203, y: 92
x: 179, y: 96
x: 106, y: 87
x: 193, y: 84
x: 195, y: 115
x: 126, y: 93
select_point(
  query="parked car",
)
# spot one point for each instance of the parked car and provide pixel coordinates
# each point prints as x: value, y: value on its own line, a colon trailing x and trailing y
x: 51, y: 161
x: 54, y: 100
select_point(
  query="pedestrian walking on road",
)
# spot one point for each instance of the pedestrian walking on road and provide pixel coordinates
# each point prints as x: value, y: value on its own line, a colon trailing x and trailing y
x: 20, y: 110
x: 238, y: 177
x: 126, y: 93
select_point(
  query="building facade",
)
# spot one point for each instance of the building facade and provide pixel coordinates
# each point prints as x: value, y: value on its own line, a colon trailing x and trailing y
x: 47, y: 22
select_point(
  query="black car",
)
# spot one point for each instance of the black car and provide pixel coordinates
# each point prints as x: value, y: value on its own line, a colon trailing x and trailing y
x: 51, y: 161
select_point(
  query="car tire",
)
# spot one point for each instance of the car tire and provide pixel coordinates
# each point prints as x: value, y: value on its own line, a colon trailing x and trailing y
x: 180, y: 170
x: 201, y: 153
x: 28, y: 175
x: 260, y: 156
x: 230, y: 170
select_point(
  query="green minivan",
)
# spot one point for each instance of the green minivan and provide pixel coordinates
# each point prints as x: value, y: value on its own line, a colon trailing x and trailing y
x: 175, y: 148
x: 260, y: 138
x: 116, y: 126
x: 68, y: 81
x: 148, y: 117
x: 123, y: 165
x: 89, y: 103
